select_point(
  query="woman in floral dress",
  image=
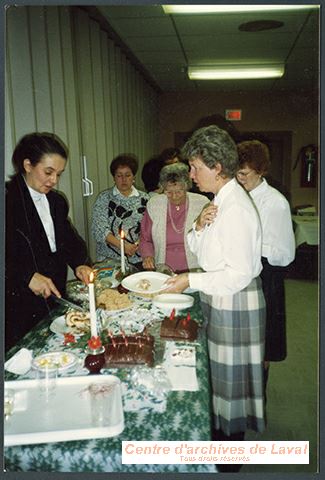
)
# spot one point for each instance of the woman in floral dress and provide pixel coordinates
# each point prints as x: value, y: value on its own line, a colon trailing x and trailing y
x: 119, y: 208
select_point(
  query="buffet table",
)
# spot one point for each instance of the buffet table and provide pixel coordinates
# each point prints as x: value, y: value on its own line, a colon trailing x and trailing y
x: 305, y: 265
x: 306, y: 229
x: 186, y: 416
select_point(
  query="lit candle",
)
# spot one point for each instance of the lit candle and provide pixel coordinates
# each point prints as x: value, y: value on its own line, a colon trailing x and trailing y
x: 188, y: 318
x: 122, y: 251
x: 92, y: 306
x: 172, y: 315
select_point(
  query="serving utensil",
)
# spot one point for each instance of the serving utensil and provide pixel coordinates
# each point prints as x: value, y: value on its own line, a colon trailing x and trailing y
x: 66, y: 303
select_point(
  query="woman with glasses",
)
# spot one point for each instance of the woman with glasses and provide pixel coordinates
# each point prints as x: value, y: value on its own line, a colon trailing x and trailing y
x: 278, y: 247
x: 119, y: 208
x: 227, y: 240
x: 167, y: 220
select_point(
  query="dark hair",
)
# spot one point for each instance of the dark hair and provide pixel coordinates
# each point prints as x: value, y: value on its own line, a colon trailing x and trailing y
x: 169, y: 154
x: 255, y: 155
x: 124, y: 160
x: 150, y: 173
x: 34, y: 146
x: 213, y: 145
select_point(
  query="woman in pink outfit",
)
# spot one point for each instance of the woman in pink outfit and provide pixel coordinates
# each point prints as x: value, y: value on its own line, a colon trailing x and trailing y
x: 168, y: 218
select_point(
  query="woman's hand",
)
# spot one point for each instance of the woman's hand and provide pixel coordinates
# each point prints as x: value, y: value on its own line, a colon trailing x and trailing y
x: 82, y: 272
x: 177, y: 284
x: 206, y: 217
x: 149, y: 263
x: 41, y: 285
x: 130, y: 248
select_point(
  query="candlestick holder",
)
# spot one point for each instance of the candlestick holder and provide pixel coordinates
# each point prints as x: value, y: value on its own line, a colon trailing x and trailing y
x: 95, y: 359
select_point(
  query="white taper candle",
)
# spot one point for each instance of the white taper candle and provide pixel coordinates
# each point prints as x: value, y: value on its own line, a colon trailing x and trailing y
x: 122, y: 252
x: 92, y: 306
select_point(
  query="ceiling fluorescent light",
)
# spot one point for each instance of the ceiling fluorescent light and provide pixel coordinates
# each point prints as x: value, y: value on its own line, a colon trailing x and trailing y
x: 231, y: 8
x: 235, y: 72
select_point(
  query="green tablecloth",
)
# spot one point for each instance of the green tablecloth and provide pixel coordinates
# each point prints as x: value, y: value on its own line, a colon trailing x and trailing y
x: 187, y: 417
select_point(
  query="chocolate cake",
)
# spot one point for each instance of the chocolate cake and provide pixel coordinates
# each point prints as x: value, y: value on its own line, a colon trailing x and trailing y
x: 178, y: 328
x: 124, y: 351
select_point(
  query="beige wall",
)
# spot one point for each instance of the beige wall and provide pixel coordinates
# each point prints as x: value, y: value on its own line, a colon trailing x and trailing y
x: 296, y: 112
x: 64, y: 74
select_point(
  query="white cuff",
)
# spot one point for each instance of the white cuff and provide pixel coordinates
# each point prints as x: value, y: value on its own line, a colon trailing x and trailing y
x: 195, y: 280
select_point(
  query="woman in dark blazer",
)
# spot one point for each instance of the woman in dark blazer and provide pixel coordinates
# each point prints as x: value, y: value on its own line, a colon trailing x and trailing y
x: 40, y: 240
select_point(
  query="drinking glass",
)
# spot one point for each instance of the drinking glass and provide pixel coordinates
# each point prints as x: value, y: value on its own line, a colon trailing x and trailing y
x: 47, y: 380
x: 99, y: 404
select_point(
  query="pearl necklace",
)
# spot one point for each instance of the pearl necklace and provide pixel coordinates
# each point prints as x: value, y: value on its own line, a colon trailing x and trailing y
x: 177, y: 230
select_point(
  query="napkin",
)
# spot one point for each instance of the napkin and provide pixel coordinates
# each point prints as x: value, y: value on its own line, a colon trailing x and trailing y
x: 180, y: 364
x: 21, y: 362
x: 183, y: 378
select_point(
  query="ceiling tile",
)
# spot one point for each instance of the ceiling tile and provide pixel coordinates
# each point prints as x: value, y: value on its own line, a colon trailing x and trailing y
x: 157, y: 43
x: 208, y: 24
x: 145, y: 27
x: 166, y: 44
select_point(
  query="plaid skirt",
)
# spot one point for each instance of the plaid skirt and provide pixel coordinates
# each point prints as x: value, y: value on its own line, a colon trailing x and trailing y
x: 236, y: 334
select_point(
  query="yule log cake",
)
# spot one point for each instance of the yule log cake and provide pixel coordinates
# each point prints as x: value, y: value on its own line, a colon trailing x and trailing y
x: 125, y: 350
x: 179, y: 328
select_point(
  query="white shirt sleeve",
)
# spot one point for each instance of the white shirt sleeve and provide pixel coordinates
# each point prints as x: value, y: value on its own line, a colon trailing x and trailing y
x: 278, y: 236
x: 279, y: 247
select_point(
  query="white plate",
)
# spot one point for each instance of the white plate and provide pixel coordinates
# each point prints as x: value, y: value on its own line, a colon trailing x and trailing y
x: 59, y: 327
x: 156, y: 280
x: 62, y: 360
x: 130, y: 322
x: 67, y: 416
x: 168, y: 301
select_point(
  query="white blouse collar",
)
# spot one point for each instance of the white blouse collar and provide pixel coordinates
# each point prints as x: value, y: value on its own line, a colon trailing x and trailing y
x: 134, y: 192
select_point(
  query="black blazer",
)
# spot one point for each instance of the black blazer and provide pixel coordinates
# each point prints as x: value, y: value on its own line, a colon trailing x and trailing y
x: 28, y: 251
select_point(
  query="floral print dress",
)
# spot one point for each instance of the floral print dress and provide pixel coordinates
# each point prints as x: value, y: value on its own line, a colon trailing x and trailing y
x: 112, y: 212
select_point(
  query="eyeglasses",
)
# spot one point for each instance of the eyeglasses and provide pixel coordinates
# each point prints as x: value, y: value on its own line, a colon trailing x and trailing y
x: 244, y: 175
x: 170, y: 193
x: 120, y: 175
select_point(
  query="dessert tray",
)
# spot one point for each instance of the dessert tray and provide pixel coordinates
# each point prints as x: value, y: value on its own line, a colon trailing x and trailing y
x: 154, y: 282
x: 67, y: 415
x: 130, y: 322
x: 168, y: 301
x: 107, y: 272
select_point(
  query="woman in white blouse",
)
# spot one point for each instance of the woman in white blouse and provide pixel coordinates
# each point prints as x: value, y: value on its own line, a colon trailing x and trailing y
x: 226, y: 238
x: 278, y: 245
